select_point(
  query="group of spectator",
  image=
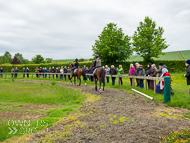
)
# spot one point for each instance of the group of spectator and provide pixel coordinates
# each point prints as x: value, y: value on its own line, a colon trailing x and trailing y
x: 151, y: 71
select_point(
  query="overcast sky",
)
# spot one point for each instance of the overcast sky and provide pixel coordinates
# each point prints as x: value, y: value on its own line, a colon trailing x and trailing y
x: 67, y: 29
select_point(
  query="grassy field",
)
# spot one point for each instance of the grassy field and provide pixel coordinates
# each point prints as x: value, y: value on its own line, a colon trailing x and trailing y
x: 30, y: 107
x: 180, y: 99
x: 177, y: 55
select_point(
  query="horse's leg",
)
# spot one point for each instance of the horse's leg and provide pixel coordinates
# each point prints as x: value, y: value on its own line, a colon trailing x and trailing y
x: 85, y: 83
x: 95, y: 84
x: 75, y: 80
x: 71, y: 78
x: 100, y: 84
x: 79, y: 80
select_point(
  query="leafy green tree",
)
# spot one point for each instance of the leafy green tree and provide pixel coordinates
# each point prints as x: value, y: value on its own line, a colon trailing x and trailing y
x: 38, y: 59
x: 7, y: 58
x: 148, y: 41
x: 20, y: 57
x: 49, y: 60
x: 112, y: 45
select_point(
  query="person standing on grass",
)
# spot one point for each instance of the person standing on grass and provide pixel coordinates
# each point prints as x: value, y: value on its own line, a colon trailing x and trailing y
x: 65, y: 71
x: 187, y: 64
x: 56, y: 71
x: 16, y: 70
x: 159, y: 71
x: 137, y: 73
x: 113, y: 72
x: 107, y: 72
x: 131, y: 72
x: 69, y: 71
x: 45, y: 71
x: 36, y: 71
x: 141, y: 73
x: 61, y: 71
x: 23, y: 71
x: 153, y: 74
x: 12, y: 72
x: 1, y: 71
x: 120, y: 72
x: 148, y: 72
x: 27, y: 70
x: 53, y: 71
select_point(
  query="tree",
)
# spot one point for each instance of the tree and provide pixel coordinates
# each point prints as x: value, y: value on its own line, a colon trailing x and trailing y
x: 15, y: 60
x: 49, y: 60
x: 148, y: 41
x: 7, y: 58
x: 38, y: 59
x: 20, y: 57
x: 112, y: 45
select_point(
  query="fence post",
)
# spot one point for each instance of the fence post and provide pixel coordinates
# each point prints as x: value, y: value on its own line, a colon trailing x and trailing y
x: 32, y: 75
x: 154, y: 86
x: 118, y: 80
x: 145, y: 84
x: 133, y: 82
x: 5, y: 75
x: 167, y: 91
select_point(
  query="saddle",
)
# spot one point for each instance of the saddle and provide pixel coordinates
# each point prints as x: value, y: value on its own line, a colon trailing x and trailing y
x: 75, y: 70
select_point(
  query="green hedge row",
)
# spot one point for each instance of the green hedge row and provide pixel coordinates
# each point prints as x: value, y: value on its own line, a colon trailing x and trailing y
x: 172, y: 65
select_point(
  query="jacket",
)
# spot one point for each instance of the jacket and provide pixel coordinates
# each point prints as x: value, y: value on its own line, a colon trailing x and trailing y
x: 188, y: 75
x: 76, y: 65
x: 53, y: 70
x: 132, y: 71
x: 98, y: 64
x: 69, y: 71
x: 23, y: 70
x: 153, y: 73
x: 148, y: 72
x: 141, y: 72
x: 61, y: 70
x: 16, y: 70
x: 137, y: 72
x: 159, y: 71
x: 113, y: 72
x: 107, y: 71
x: 119, y: 70
x: 65, y: 70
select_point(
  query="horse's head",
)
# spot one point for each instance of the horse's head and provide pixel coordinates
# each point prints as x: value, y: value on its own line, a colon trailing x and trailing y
x: 70, y: 65
x: 92, y: 65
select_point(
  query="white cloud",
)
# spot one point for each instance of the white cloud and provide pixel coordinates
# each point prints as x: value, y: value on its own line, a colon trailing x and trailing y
x: 67, y: 29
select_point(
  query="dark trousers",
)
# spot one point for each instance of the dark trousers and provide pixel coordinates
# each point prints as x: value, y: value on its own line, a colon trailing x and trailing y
x: 88, y: 77
x: 141, y: 83
x: 107, y: 79
x: 131, y: 81
x: 56, y: 75
x: 120, y: 80
x: 69, y: 77
x: 137, y: 80
x: 1, y: 75
x: 36, y: 75
x: 12, y: 75
x: 27, y: 75
x: 92, y: 78
x: 113, y: 80
x: 65, y: 76
x: 15, y: 75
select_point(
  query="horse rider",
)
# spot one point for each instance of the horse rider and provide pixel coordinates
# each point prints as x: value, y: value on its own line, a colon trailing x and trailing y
x: 76, y: 66
x: 97, y: 63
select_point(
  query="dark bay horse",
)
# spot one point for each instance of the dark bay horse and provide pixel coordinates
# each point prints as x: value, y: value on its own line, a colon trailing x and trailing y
x: 78, y: 74
x: 99, y: 75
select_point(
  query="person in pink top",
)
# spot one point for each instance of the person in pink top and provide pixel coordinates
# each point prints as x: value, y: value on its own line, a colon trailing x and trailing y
x: 131, y: 72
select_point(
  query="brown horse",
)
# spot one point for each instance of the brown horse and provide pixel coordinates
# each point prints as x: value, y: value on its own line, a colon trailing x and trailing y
x: 99, y: 75
x: 78, y: 74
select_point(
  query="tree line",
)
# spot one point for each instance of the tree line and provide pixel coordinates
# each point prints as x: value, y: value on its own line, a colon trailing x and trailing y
x: 114, y: 46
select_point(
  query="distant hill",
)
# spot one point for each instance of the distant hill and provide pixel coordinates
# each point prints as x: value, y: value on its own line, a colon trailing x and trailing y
x: 176, y: 55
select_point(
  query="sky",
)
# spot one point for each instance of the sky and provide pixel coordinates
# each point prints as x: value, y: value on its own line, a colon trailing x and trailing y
x: 67, y: 29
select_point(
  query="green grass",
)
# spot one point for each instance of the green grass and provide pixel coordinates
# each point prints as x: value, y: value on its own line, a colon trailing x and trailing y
x: 180, y: 99
x: 17, y: 97
x: 176, y: 55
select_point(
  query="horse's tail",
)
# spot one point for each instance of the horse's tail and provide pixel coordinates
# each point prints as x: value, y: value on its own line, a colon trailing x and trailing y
x: 84, y: 74
x: 102, y: 76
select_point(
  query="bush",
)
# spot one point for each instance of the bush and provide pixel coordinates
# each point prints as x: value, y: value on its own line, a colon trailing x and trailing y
x: 53, y: 83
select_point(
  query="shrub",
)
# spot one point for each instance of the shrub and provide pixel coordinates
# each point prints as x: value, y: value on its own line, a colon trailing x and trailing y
x: 53, y: 83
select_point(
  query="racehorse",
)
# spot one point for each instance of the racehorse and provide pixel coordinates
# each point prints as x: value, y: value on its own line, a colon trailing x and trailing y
x: 78, y: 74
x: 99, y: 75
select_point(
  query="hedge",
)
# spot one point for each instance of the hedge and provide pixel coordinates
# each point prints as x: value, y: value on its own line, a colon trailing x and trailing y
x: 172, y: 65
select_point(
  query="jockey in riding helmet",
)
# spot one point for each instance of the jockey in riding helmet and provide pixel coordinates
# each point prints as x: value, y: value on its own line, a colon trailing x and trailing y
x: 76, y: 65
x: 97, y: 63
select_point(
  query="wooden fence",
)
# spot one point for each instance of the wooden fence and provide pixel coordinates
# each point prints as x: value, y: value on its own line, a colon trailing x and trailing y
x: 117, y: 76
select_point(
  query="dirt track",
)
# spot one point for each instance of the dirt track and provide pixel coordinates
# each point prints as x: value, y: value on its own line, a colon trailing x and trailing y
x: 118, y: 117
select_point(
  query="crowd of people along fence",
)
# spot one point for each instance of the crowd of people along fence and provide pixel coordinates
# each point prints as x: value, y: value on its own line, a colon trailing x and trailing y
x: 137, y: 70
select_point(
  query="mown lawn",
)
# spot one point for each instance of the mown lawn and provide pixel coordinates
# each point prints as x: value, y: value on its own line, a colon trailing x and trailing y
x: 38, y: 105
x: 180, y: 99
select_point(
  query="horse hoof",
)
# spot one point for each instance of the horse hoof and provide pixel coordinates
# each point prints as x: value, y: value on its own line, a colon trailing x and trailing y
x: 100, y: 90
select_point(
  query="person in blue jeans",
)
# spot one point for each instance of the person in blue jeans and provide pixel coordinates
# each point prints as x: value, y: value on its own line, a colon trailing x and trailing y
x: 87, y: 72
x: 113, y: 72
x: 45, y: 71
x: 12, y: 72
x: 53, y: 71
x: 107, y: 73
x: 23, y: 71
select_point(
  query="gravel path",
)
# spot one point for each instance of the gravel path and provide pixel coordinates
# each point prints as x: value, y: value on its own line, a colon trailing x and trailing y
x: 118, y: 117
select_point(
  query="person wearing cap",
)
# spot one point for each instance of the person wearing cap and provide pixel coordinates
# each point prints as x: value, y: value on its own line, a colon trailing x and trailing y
x: 159, y: 71
x: 141, y: 73
x: 76, y: 66
x: 97, y: 63
x: 137, y: 73
x: 187, y: 64
x: 153, y: 74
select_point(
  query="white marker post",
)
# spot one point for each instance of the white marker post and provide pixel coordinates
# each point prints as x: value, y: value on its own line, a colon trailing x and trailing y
x: 143, y: 94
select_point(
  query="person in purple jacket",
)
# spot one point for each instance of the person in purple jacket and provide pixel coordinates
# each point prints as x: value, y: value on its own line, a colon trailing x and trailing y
x: 131, y: 72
